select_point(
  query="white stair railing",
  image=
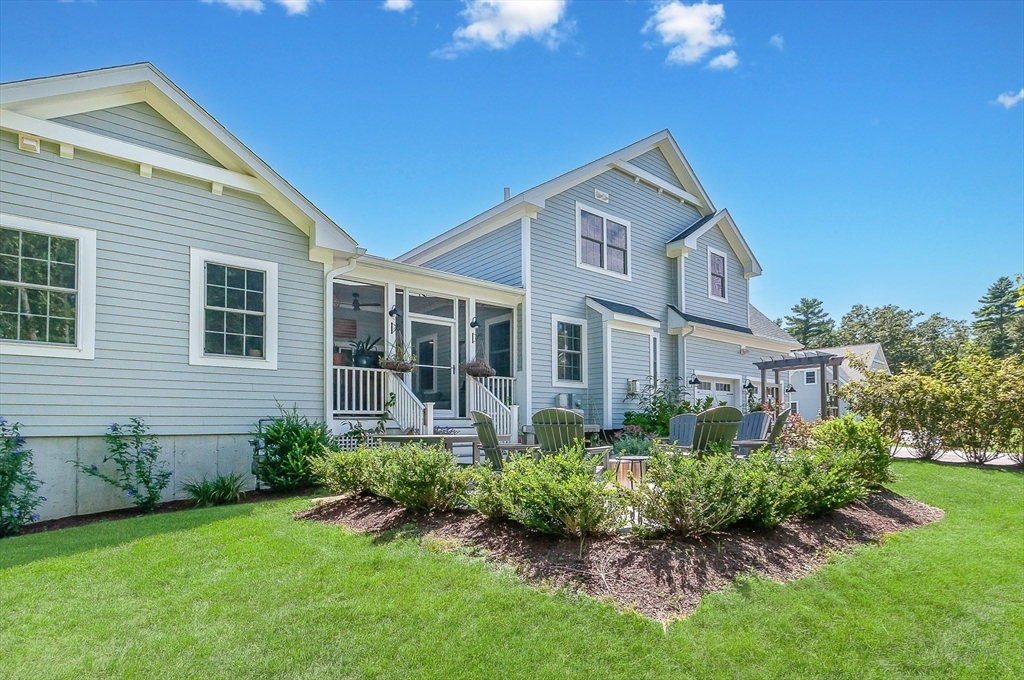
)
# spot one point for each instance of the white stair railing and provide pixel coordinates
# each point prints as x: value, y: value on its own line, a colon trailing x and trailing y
x: 480, y: 398
x: 408, y: 410
x: 359, y: 391
x: 503, y: 388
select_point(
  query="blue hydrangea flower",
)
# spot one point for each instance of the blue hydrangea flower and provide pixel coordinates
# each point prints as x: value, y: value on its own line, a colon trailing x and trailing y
x: 14, y: 513
x: 42, y: 498
x: 129, y: 493
x: 3, y: 421
x: 114, y: 428
x: 19, y: 440
x: 94, y: 467
x: 35, y: 517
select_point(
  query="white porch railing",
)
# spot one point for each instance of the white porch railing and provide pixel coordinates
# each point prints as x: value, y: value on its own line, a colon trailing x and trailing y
x: 480, y: 398
x: 364, y: 393
x: 503, y: 388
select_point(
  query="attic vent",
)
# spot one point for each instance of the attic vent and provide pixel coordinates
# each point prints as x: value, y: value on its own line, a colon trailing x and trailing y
x: 28, y: 143
x: 601, y: 195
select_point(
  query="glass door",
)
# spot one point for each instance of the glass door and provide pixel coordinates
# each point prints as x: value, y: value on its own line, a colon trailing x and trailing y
x: 433, y: 342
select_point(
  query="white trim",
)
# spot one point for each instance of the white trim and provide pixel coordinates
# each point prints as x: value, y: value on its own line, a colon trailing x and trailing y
x: 196, y: 317
x: 607, y: 386
x: 723, y: 220
x: 748, y: 340
x: 584, y: 341
x: 509, y: 318
x: 725, y: 275
x: 795, y: 405
x: 813, y: 374
x: 580, y: 207
x: 681, y: 287
x: 627, y: 322
x: 655, y: 351
x: 85, y: 273
x: 527, y: 276
x: 328, y: 335
x: 658, y: 183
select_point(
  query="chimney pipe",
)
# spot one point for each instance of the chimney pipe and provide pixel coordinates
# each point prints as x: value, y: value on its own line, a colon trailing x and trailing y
x: 508, y: 193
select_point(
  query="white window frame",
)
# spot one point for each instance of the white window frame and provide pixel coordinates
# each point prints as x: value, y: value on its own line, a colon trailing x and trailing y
x: 628, y: 276
x: 584, y: 342
x: 197, y: 316
x: 725, y: 269
x: 810, y: 377
x: 795, y: 405
x: 85, y: 275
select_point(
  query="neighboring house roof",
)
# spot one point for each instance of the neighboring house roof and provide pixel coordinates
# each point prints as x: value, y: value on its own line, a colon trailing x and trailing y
x: 617, y: 311
x: 531, y: 201
x: 763, y: 326
x: 686, y: 241
x: 869, y: 352
x: 28, y: 107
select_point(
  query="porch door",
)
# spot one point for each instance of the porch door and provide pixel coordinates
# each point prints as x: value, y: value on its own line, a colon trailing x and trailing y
x: 499, y: 345
x: 433, y: 379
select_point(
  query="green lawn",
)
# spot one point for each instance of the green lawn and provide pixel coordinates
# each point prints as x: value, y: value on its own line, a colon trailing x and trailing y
x: 248, y: 592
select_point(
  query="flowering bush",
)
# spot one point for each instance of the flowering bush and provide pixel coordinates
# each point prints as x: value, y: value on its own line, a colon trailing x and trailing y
x: 139, y: 474
x: 18, y: 482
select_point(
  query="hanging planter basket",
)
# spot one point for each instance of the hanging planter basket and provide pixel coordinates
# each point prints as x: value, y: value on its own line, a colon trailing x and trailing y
x: 396, y: 366
x: 479, y: 369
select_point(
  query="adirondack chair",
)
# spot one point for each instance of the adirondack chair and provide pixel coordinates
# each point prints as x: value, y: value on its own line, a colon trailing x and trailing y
x: 716, y: 426
x: 494, y: 450
x: 680, y: 430
x: 777, y: 427
x: 557, y: 428
x: 753, y: 432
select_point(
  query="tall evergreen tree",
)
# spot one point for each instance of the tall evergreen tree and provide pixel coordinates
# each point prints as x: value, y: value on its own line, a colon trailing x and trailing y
x: 996, y: 320
x: 810, y: 323
x: 893, y: 327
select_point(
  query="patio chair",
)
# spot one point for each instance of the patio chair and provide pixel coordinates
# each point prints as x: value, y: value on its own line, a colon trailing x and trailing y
x: 777, y: 427
x: 494, y: 450
x: 680, y: 430
x: 716, y: 427
x: 753, y: 432
x: 558, y: 428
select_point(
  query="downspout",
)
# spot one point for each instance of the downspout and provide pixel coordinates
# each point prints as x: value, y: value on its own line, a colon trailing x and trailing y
x: 682, y: 351
x: 329, y: 330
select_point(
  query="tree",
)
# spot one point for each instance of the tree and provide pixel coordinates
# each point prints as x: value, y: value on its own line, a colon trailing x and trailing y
x: 810, y: 323
x: 996, y: 321
x: 940, y: 338
x: 893, y: 327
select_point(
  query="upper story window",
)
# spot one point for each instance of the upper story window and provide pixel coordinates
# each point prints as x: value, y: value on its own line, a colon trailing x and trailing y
x: 717, y: 275
x: 233, y: 313
x: 569, y: 351
x: 810, y: 378
x: 47, y: 288
x: 602, y: 242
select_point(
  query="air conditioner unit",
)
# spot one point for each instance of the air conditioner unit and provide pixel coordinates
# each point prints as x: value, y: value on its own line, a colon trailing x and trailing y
x: 569, y: 400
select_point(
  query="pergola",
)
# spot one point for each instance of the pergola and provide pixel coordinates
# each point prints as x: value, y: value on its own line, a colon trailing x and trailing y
x: 805, y: 360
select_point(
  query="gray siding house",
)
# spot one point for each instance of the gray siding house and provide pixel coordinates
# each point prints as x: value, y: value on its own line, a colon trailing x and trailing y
x: 152, y: 266
x: 630, y: 274
x: 806, y: 395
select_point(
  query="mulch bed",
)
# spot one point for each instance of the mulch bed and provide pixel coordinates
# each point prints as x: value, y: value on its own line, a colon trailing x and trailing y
x: 662, y: 579
x: 128, y: 513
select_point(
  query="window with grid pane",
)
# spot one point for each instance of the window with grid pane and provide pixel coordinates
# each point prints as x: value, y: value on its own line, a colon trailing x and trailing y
x: 716, y: 268
x: 234, y: 311
x: 570, y: 352
x: 604, y: 242
x: 38, y: 287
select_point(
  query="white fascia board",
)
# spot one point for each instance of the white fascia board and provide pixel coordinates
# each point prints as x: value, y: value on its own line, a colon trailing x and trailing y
x: 623, y: 321
x: 681, y: 166
x: 133, y: 153
x: 737, y: 338
x: 375, y: 269
x: 751, y: 267
x: 658, y: 183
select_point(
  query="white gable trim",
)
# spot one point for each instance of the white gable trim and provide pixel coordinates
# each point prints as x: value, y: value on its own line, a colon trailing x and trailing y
x: 658, y: 183
x: 533, y: 201
x: 41, y: 99
x: 626, y: 322
x: 723, y: 220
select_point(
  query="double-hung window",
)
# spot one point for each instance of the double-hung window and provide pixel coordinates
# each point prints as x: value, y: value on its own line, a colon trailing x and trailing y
x: 810, y: 378
x: 570, y: 351
x: 233, y: 311
x: 717, y: 276
x: 47, y: 288
x: 602, y: 242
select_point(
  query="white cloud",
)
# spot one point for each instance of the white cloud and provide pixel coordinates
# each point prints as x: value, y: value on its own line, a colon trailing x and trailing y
x: 291, y: 7
x: 1009, y: 99
x: 396, y: 5
x: 691, y: 30
x: 499, y: 24
x: 777, y: 41
x: 724, y: 61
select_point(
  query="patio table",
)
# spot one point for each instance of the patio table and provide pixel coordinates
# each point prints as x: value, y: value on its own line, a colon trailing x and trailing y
x: 447, y: 439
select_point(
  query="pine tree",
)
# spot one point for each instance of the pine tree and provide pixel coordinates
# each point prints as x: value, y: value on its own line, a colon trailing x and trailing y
x: 995, y: 321
x: 810, y: 323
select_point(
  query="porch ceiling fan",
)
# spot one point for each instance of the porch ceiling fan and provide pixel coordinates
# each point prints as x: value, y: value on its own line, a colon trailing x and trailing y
x: 356, y: 305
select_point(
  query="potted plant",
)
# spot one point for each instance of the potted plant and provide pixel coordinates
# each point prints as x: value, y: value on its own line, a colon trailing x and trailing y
x: 399, y: 360
x: 362, y: 351
x: 478, y: 368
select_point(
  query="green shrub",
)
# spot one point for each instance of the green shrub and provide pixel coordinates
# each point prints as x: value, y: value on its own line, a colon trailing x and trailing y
x: 633, y: 445
x: 18, y: 481
x: 416, y: 476
x: 823, y: 480
x: 221, y: 490
x: 658, y: 401
x: 140, y: 475
x: 343, y: 471
x: 486, y: 494
x: 690, y: 496
x: 290, y: 444
x: 560, y: 494
x: 864, y: 441
x: 768, y: 490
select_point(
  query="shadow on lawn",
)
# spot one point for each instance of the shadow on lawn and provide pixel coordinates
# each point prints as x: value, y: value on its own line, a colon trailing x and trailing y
x: 19, y: 550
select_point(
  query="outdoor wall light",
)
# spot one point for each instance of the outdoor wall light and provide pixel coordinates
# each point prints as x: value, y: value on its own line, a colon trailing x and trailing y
x: 393, y: 312
x: 474, y: 323
x: 694, y: 380
x: 790, y: 389
x: 749, y: 386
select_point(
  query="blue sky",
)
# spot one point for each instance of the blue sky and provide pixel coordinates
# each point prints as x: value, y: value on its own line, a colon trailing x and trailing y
x: 861, y: 147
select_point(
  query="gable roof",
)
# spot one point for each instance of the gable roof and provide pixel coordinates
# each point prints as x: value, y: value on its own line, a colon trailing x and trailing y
x: 686, y: 240
x: 532, y: 201
x: 28, y: 107
x: 763, y: 326
x: 869, y: 352
x: 617, y: 311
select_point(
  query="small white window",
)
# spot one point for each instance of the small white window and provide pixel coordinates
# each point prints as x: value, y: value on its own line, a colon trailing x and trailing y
x: 569, y: 351
x: 233, y: 311
x: 47, y: 289
x: 723, y: 387
x: 705, y: 386
x: 602, y: 242
x: 718, y: 284
x: 810, y: 377
x: 795, y: 405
